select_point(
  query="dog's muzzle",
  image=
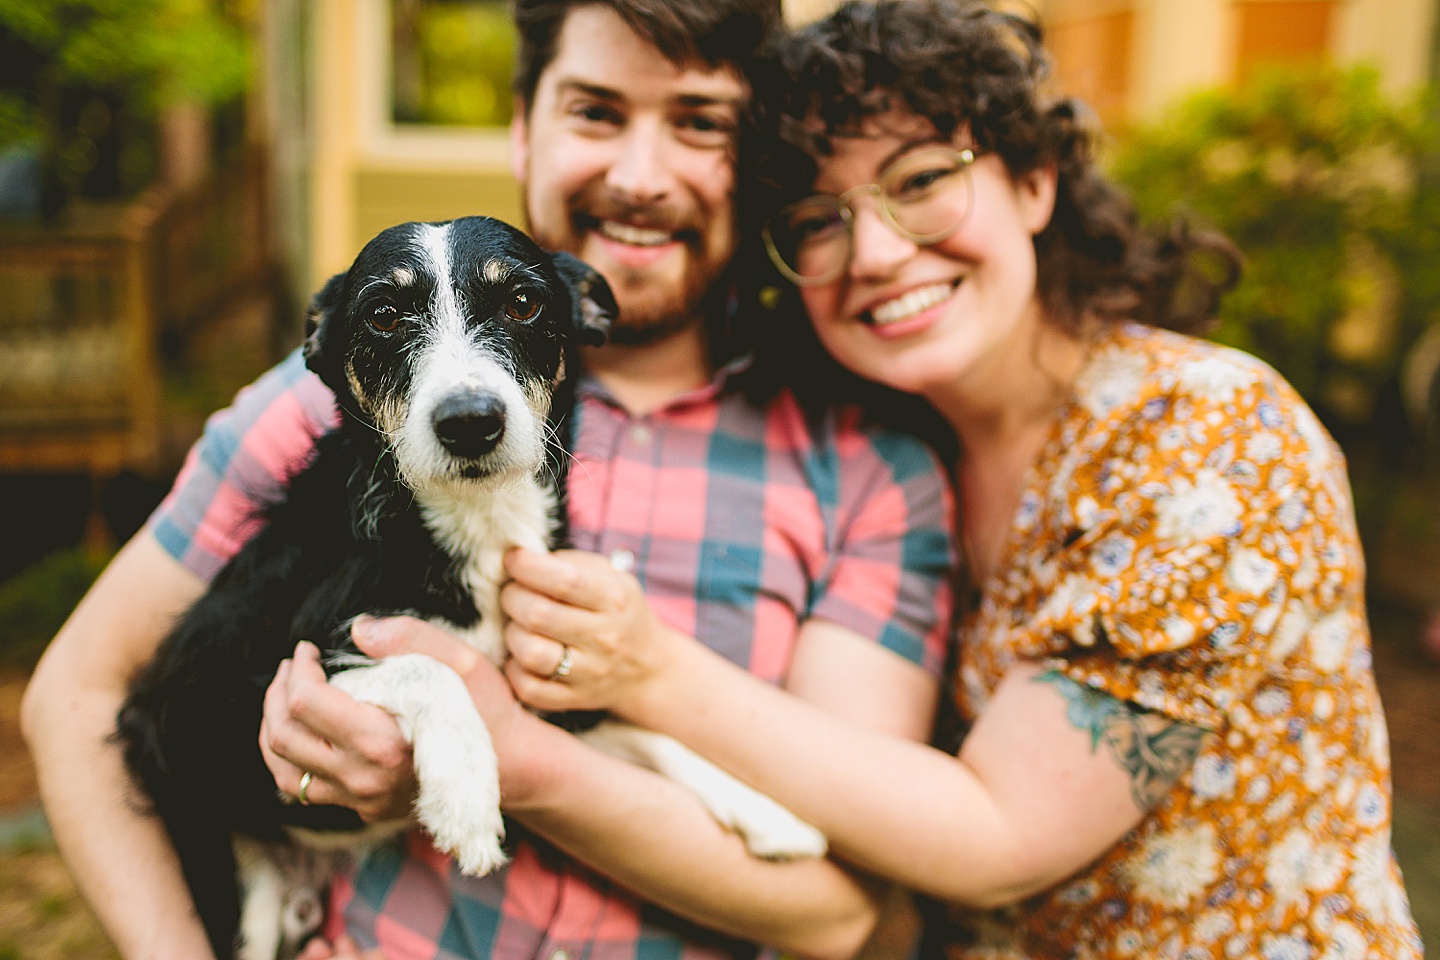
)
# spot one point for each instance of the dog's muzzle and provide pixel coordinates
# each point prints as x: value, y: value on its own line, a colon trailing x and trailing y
x: 469, y: 425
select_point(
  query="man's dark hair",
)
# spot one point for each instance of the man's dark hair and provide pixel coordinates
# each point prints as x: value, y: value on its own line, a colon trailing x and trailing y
x: 714, y: 33
x: 966, y: 66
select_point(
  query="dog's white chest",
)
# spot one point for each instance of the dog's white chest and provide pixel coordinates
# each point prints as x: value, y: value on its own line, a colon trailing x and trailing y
x: 478, y: 527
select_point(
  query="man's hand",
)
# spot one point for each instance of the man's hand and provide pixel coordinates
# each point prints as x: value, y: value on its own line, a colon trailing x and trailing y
x: 353, y: 751
x: 342, y: 949
x: 574, y: 608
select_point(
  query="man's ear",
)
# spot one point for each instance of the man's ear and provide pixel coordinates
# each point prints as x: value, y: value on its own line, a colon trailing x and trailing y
x: 317, y: 315
x: 519, y: 141
x: 593, y: 307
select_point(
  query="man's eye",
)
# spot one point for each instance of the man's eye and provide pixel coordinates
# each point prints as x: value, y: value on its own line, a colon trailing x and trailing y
x: 522, y: 306
x: 385, y: 317
x: 595, y: 113
x: 706, y: 130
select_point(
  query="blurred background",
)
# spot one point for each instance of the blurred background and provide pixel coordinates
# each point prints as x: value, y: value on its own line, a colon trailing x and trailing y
x: 177, y: 175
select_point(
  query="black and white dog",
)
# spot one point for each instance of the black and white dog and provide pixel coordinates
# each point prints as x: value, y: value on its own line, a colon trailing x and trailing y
x: 447, y: 347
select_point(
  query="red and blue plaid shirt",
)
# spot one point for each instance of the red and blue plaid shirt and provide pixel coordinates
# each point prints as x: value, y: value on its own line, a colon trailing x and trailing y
x: 739, y: 521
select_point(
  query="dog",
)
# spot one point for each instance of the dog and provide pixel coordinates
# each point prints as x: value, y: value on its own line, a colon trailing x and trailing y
x: 447, y: 346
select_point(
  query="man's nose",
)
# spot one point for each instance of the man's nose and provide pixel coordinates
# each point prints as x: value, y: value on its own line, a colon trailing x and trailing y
x: 876, y: 249
x: 639, y: 172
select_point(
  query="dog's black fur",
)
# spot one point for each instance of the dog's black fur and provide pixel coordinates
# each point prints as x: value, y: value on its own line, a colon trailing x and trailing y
x: 348, y: 537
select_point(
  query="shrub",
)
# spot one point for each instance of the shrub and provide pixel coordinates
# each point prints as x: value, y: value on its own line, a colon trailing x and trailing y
x: 1328, y: 188
x: 35, y: 602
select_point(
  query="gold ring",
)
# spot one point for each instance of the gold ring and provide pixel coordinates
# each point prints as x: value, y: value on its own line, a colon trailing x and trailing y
x: 304, y: 786
x: 562, y: 669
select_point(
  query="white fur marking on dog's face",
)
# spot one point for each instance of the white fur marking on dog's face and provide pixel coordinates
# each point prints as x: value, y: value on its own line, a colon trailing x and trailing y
x: 403, y: 276
x: 452, y: 359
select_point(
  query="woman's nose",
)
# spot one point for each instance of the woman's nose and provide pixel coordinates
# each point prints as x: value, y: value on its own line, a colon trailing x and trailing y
x: 877, y: 250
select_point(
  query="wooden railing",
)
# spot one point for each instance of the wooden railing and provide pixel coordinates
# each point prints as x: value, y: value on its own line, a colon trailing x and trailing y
x: 85, y: 303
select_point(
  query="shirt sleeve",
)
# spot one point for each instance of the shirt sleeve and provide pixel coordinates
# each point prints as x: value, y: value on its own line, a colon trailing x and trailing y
x: 1219, y: 533
x: 239, y: 464
x: 893, y: 558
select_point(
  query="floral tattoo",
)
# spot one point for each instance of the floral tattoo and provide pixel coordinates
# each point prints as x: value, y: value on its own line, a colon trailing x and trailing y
x: 1153, y: 749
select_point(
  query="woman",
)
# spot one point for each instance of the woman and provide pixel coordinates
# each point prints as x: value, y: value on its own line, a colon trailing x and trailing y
x: 1175, y: 745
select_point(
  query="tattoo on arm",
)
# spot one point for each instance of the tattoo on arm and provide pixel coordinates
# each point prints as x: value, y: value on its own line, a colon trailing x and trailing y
x: 1153, y: 749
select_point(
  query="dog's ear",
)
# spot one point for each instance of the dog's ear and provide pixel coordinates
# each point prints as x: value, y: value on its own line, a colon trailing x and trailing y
x: 321, y: 306
x: 593, y: 305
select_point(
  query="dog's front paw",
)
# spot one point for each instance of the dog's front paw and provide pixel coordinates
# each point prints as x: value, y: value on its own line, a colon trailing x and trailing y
x: 455, y: 765
x: 770, y: 831
x: 468, y: 828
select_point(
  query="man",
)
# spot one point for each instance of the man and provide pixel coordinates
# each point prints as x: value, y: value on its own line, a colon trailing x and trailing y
x: 753, y: 528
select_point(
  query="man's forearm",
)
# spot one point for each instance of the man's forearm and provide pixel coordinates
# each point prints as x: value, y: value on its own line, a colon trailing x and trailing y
x: 120, y: 858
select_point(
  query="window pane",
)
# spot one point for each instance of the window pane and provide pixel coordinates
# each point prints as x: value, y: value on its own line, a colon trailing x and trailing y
x: 452, y: 62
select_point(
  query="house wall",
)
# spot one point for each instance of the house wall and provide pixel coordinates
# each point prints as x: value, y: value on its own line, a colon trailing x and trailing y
x: 1130, y: 58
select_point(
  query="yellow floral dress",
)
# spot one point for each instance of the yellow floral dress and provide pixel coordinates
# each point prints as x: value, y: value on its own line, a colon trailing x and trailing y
x: 1186, y: 543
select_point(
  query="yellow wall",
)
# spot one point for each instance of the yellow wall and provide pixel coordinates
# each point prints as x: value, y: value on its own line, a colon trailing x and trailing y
x: 367, y: 174
x: 384, y: 197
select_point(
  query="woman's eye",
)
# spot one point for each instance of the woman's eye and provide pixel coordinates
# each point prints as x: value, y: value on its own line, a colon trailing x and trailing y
x: 385, y: 317
x: 522, y: 306
x: 922, y: 182
x: 812, y: 226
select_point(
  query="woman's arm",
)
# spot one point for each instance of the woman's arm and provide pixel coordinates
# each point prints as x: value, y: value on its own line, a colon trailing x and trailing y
x: 1050, y: 777
x: 121, y: 859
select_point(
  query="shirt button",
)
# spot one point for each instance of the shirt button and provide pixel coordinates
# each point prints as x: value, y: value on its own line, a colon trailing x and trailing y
x: 624, y: 561
x: 640, y: 433
x: 559, y: 955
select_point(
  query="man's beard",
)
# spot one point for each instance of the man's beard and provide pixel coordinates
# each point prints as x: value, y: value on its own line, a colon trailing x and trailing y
x: 660, y: 316
x: 651, y: 310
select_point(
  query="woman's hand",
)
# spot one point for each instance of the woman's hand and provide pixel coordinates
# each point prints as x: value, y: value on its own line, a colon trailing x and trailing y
x: 581, y: 634
x: 353, y: 752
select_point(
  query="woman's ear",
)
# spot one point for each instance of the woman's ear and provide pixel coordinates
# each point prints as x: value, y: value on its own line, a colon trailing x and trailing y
x: 1036, y: 192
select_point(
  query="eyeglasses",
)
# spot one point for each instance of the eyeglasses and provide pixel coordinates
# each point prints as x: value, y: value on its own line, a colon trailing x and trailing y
x: 924, y: 197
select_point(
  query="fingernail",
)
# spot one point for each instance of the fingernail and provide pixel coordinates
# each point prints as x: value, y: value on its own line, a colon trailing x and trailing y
x: 368, y: 629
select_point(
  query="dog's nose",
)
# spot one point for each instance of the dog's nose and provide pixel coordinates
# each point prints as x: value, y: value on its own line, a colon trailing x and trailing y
x: 470, y: 425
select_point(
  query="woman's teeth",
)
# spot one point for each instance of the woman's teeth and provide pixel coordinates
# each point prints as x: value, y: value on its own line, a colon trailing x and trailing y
x: 921, y: 298
x: 637, y: 236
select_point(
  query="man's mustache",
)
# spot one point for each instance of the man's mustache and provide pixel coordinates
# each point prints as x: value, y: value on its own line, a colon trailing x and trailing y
x: 648, y: 216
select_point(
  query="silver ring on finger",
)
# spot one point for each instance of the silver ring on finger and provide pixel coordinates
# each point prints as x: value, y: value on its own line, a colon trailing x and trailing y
x: 562, y: 669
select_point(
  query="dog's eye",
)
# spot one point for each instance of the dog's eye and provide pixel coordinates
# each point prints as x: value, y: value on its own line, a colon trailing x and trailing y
x: 385, y: 317
x: 522, y: 306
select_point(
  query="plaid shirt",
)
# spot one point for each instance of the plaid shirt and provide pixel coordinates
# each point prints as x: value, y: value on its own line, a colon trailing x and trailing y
x: 740, y: 523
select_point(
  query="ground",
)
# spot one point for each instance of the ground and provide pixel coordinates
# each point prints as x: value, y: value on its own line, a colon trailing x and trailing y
x: 43, y: 918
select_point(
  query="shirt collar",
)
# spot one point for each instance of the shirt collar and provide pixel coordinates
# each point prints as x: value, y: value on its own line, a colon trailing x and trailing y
x: 591, y: 388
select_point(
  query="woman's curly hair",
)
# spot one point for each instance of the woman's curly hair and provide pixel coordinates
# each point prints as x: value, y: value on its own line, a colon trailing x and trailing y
x: 967, y: 67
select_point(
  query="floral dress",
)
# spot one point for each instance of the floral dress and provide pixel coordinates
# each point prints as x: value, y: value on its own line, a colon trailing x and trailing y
x: 1186, y: 543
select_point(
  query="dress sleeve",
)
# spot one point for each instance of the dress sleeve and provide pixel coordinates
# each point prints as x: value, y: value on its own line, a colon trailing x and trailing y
x: 247, y: 452
x: 891, y: 567
x: 1219, y: 533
